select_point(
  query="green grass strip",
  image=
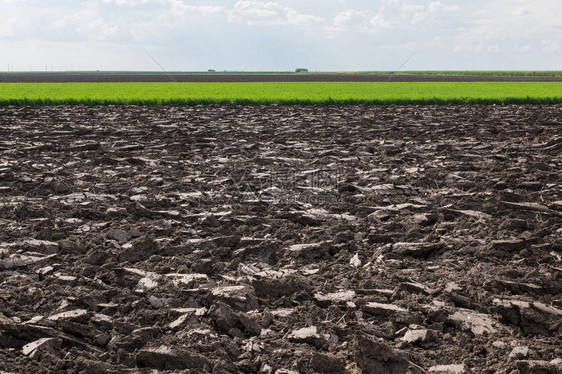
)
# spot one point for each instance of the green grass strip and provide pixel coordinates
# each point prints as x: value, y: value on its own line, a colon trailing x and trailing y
x: 285, y: 93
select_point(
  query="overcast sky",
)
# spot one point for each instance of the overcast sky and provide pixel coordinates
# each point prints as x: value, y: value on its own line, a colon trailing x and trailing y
x: 280, y: 35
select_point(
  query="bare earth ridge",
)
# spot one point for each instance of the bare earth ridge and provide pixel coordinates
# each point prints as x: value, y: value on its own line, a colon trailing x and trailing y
x: 101, y: 77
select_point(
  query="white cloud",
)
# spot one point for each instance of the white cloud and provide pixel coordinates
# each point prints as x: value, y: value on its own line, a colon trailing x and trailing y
x: 519, y: 26
x: 550, y: 45
x: 120, y: 2
x: 11, y: 26
x: 179, y: 7
x: 392, y: 14
x: 352, y: 18
x: 522, y: 48
x: 87, y: 24
x: 522, y: 11
x: 129, y: 2
x: 432, y: 11
x: 271, y: 13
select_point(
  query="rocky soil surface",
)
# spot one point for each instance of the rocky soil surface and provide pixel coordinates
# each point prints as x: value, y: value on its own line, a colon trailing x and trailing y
x: 281, y: 239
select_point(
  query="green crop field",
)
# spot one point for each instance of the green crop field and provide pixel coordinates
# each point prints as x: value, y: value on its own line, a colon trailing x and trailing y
x: 281, y: 93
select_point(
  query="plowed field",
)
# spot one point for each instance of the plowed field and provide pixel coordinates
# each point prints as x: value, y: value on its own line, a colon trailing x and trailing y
x: 281, y: 239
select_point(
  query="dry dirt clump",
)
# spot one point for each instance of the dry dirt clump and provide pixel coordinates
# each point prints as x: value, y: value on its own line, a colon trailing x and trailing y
x: 225, y: 239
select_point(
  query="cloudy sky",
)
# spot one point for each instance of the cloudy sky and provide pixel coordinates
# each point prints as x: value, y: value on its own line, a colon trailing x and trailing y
x: 280, y: 35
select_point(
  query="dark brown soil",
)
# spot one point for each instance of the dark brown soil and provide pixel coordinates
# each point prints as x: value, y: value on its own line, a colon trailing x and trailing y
x: 101, y: 77
x: 281, y: 239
